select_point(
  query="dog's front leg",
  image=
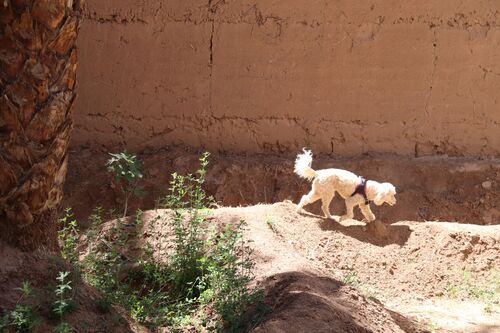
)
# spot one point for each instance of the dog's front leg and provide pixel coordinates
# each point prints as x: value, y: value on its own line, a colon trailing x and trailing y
x: 367, y: 212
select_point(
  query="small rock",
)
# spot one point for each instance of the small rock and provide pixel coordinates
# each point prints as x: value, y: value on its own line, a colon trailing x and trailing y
x: 486, y: 185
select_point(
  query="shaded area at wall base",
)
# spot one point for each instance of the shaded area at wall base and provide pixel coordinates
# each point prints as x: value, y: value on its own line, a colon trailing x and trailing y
x: 429, y: 188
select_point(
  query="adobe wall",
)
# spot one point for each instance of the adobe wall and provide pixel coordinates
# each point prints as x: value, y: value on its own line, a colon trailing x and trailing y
x: 345, y: 77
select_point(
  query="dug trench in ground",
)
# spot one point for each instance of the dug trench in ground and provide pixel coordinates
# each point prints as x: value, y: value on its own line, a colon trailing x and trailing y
x: 429, y: 188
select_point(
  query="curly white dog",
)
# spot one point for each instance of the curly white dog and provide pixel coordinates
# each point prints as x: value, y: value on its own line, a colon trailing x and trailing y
x: 355, y: 190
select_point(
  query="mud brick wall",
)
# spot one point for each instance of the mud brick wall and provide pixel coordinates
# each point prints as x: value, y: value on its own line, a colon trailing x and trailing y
x: 414, y: 77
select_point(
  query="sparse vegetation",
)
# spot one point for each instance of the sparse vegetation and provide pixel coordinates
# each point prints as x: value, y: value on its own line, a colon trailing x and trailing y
x: 487, y: 292
x: 351, y: 278
x: 68, y: 237
x: 431, y: 326
x: 127, y: 171
x: 26, y: 315
x: 63, y: 328
x: 272, y: 225
x: 64, y: 303
x: 24, y: 318
x: 208, y: 269
x: 370, y: 292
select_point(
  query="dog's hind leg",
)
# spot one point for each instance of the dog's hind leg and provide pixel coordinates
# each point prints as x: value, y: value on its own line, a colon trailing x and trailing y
x: 311, y: 197
x: 325, y: 204
x: 349, y: 204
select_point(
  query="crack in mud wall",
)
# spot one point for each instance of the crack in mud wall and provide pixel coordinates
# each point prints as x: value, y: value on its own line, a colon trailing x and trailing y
x: 343, y: 77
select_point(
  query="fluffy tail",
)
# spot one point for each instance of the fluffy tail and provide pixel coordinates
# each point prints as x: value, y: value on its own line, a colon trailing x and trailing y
x: 303, y: 165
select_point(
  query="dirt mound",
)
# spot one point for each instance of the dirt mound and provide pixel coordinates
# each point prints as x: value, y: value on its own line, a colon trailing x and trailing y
x: 309, y: 303
x: 323, y: 276
x: 412, y: 267
x: 296, y: 292
x: 406, y: 264
x: 429, y: 189
x: 40, y: 269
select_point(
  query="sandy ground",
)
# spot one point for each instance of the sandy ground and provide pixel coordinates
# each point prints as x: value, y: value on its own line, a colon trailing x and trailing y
x: 323, y: 276
x: 412, y: 267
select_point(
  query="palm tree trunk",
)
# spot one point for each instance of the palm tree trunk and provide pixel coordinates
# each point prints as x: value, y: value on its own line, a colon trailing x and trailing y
x: 37, y: 81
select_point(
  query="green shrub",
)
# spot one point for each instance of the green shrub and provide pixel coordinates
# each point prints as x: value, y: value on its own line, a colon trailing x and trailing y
x: 68, y: 237
x: 207, y: 269
x: 207, y: 266
x: 229, y: 271
x: 63, y: 328
x: 127, y: 171
x: 23, y: 318
x: 188, y: 201
x: 64, y: 303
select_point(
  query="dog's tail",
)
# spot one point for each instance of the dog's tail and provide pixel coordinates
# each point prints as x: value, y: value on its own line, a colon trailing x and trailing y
x: 303, y: 165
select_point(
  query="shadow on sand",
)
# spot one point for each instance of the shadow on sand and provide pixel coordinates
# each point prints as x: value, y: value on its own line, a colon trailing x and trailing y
x: 303, y: 302
x: 377, y: 232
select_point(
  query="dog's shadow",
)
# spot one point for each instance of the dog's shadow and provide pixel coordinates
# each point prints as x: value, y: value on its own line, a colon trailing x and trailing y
x: 377, y: 232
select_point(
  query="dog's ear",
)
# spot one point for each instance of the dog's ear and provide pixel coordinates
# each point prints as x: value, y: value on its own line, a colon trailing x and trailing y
x: 390, y: 188
x: 383, y: 192
x: 379, y: 199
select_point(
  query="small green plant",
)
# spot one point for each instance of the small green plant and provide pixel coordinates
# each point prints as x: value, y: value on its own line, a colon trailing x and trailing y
x: 4, y: 322
x: 488, y: 292
x: 23, y: 318
x: 26, y: 289
x: 68, y: 236
x: 272, y: 225
x: 138, y: 218
x: 370, y: 292
x: 351, y: 279
x: 127, y: 171
x: 103, y: 305
x: 63, y: 328
x: 431, y: 326
x: 96, y: 217
x: 63, y: 304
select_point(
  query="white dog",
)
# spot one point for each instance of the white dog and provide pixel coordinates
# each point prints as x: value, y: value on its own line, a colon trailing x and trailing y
x: 355, y: 190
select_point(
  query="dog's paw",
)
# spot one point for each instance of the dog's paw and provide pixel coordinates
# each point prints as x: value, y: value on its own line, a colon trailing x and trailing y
x: 343, y: 218
x: 368, y: 220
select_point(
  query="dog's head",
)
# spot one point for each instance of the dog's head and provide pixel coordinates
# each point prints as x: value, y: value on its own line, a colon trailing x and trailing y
x: 386, y: 193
